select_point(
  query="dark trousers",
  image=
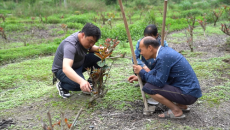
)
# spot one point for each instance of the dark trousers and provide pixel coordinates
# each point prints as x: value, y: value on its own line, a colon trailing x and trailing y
x: 66, y: 83
x: 171, y: 93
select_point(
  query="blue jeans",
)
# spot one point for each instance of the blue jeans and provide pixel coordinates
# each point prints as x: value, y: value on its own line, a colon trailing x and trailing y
x: 66, y: 83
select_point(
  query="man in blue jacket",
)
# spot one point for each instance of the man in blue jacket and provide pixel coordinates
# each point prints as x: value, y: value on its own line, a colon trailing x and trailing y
x: 171, y: 82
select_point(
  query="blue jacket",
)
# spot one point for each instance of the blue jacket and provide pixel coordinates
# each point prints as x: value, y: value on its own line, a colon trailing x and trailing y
x: 171, y: 68
x: 141, y: 60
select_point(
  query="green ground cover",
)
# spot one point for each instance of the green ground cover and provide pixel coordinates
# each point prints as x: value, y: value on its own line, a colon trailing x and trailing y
x: 29, y: 81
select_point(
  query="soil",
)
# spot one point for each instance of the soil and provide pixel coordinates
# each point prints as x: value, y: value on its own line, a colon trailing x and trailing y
x: 201, y: 116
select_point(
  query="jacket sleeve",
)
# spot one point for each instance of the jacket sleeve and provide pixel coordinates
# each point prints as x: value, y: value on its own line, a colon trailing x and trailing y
x: 137, y: 54
x: 158, y: 76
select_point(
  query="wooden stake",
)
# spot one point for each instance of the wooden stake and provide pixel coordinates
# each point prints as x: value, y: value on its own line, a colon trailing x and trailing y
x: 62, y: 121
x: 75, y: 120
x: 50, y: 121
x: 133, y: 54
x: 163, y: 24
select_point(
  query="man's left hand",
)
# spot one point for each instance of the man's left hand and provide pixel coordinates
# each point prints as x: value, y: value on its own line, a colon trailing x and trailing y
x: 137, y: 69
x: 100, y: 47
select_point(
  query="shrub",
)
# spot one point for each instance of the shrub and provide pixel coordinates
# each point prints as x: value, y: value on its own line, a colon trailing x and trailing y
x: 209, y: 17
x: 86, y: 5
x: 27, y: 51
x: 224, y: 1
x: 53, y: 20
x: 202, y: 4
x: 185, y: 5
x: 192, y: 12
x: 136, y: 31
x: 9, y: 5
x: 14, y: 27
x: 150, y: 17
x: 118, y: 30
x: 75, y: 25
x: 83, y: 19
x: 140, y: 3
x: 215, y: 3
x: 110, y: 2
x: 226, y: 14
x: 176, y: 24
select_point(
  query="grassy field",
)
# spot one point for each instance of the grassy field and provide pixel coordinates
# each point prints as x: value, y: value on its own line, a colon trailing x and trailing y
x: 26, y: 89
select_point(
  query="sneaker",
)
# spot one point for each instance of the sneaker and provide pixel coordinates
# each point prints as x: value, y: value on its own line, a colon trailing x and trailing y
x: 62, y: 92
x: 152, y: 101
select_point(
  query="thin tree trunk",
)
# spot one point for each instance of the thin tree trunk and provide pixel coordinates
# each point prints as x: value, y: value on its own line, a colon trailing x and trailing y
x: 191, y: 43
x: 65, y: 3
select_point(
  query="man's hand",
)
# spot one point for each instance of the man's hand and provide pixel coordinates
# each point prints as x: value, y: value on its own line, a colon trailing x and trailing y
x: 146, y: 68
x: 132, y: 78
x: 85, y: 86
x: 137, y: 69
x: 102, y: 48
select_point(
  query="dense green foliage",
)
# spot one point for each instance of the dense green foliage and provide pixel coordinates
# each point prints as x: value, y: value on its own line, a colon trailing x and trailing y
x: 54, y: 12
x: 30, y: 39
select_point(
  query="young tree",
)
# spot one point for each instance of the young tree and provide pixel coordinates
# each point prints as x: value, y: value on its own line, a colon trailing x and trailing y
x: 203, y: 24
x: 64, y: 28
x: 41, y: 20
x: 150, y: 17
x: 191, y: 22
x: 225, y: 29
x: 141, y: 13
x: 32, y: 18
x: 3, y: 17
x: 3, y: 35
x: 110, y: 16
x: 95, y: 19
x: 217, y: 14
x: 97, y: 75
x: 167, y: 31
x: 130, y: 14
x: 102, y: 16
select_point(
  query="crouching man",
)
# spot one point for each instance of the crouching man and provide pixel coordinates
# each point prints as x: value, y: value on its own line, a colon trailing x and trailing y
x: 171, y: 82
x: 73, y: 56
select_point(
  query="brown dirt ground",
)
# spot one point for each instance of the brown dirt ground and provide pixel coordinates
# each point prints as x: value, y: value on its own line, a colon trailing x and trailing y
x: 201, y: 116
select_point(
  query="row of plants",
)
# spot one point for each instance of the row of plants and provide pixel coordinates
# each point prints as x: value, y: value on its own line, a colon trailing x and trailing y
x: 177, y: 20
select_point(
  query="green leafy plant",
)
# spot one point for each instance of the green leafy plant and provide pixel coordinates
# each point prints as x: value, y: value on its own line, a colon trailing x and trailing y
x: 97, y: 75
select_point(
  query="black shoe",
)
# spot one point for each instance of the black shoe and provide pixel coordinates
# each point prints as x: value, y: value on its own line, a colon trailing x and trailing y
x: 62, y: 92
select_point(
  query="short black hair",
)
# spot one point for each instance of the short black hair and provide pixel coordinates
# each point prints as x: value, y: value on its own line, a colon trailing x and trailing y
x: 151, y: 30
x: 150, y: 41
x: 91, y: 30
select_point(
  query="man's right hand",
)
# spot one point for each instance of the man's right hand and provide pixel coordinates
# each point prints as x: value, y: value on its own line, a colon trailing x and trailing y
x: 132, y: 78
x: 85, y: 86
